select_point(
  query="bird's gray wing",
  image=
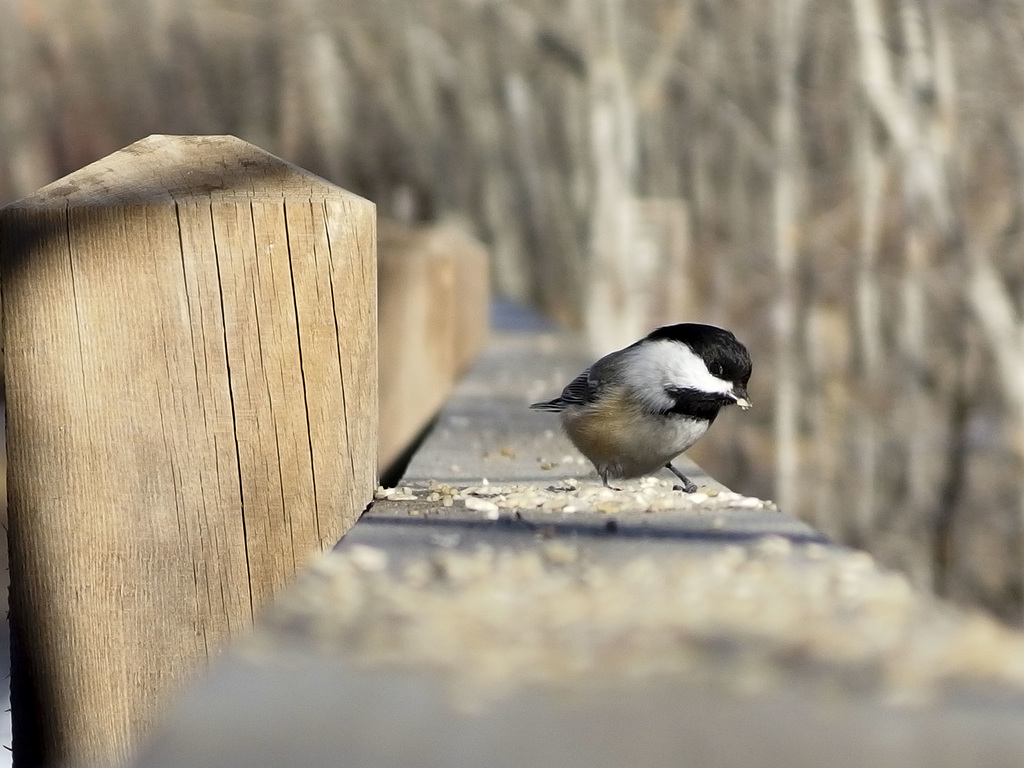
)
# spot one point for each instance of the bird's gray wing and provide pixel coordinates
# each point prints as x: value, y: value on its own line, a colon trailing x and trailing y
x: 579, y: 391
x: 576, y: 392
x: 584, y: 389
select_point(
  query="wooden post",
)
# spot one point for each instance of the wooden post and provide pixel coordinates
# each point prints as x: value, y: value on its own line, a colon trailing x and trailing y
x: 190, y: 331
x: 433, y: 296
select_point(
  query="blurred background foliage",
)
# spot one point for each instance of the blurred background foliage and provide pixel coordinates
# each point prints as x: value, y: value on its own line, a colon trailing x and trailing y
x: 842, y: 184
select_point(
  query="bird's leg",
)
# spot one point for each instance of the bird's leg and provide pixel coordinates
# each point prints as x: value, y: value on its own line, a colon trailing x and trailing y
x: 688, y: 486
x: 604, y: 479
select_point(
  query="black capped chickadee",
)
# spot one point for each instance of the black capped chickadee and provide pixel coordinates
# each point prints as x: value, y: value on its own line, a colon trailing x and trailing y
x: 633, y: 411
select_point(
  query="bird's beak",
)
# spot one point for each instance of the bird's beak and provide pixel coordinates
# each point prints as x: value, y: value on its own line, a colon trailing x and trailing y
x: 742, y: 399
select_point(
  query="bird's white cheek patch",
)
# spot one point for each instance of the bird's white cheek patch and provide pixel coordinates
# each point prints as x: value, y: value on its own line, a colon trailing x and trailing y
x: 686, y: 370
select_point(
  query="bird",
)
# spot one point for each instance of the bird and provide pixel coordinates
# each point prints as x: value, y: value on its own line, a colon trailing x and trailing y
x: 635, y: 410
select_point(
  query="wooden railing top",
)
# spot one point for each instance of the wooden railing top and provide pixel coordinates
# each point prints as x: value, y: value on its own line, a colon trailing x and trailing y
x: 164, y: 169
x: 500, y: 608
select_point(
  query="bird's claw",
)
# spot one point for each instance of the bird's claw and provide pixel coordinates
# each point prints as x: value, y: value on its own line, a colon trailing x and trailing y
x: 688, y: 488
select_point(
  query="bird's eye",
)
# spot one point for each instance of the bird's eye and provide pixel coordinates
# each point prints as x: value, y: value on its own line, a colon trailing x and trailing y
x: 716, y: 369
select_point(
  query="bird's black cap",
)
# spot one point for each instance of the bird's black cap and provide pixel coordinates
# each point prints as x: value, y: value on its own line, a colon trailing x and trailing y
x: 718, y: 348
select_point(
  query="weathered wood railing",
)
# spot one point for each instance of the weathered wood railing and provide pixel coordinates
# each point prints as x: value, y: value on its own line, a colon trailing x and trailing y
x: 191, y: 381
x: 500, y: 608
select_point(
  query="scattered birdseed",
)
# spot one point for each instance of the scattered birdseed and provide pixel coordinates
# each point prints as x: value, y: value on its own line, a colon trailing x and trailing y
x: 559, y: 553
x: 773, y: 546
x: 368, y: 559
x: 481, y: 505
x: 490, y: 621
x: 645, y: 495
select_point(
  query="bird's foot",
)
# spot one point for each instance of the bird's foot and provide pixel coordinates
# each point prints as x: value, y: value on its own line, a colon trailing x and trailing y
x: 604, y: 481
x: 688, y: 486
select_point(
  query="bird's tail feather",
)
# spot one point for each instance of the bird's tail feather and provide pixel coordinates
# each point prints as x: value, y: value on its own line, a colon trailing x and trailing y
x: 549, y: 405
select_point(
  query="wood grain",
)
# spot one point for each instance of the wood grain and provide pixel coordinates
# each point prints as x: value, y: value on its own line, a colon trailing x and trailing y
x: 190, y: 329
